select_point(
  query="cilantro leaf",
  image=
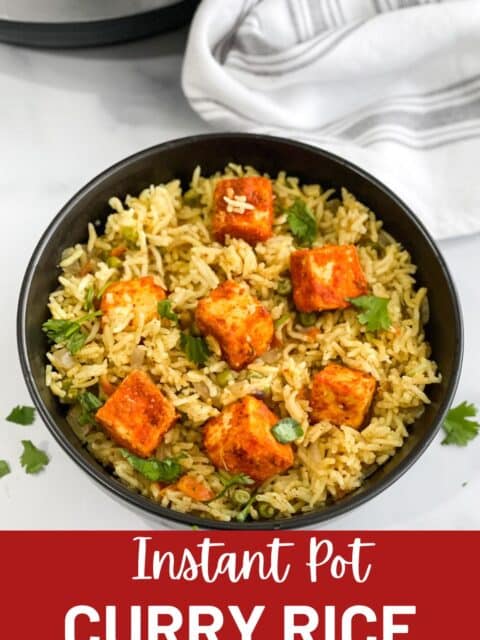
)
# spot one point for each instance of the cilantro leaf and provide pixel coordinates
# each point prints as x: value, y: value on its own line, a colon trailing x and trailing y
x: 165, y: 311
x: 60, y: 330
x: 375, y: 312
x: 68, y: 332
x: 32, y: 459
x: 459, y: 429
x: 22, y: 415
x: 229, y: 481
x: 302, y: 224
x: 167, y: 470
x: 196, y: 349
x: 287, y: 430
x: 130, y: 234
x: 76, y: 342
x: 90, y: 404
x: 4, y: 468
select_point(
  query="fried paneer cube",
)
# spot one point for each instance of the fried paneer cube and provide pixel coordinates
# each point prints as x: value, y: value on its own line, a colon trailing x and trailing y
x: 324, y: 277
x: 237, y: 320
x: 137, y: 414
x: 127, y: 302
x: 243, y: 208
x: 342, y: 395
x: 240, y: 440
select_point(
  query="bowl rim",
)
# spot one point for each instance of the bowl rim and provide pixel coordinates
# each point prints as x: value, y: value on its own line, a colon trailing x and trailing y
x: 317, y: 517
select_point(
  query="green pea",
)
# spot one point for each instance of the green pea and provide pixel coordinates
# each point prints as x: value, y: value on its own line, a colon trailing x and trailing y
x: 223, y: 378
x: 307, y: 319
x: 114, y: 262
x: 284, y: 287
x: 240, y: 497
x: 266, y: 510
x: 130, y: 234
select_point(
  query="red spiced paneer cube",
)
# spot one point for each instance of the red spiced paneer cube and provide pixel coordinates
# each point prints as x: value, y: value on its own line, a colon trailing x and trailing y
x: 243, y: 209
x: 126, y: 302
x: 324, y: 277
x: 238, y: 321
x: 342, y: 395
x: 240, y: 440
x: 137, y: 414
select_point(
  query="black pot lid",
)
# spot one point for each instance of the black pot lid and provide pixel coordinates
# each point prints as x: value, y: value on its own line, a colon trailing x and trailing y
x: 77, y: 23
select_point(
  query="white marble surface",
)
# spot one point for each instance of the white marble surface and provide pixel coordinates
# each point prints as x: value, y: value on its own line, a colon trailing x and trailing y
x: 65, y: 116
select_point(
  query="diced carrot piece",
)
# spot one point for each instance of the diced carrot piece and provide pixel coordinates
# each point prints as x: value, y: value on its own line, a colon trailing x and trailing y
x: 195, y: 489
x: 87, y: 268
x: 118, y: 251
x: 312, y: 334
x: 106, y: 386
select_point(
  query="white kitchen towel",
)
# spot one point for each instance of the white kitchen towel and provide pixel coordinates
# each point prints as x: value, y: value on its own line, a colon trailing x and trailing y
x: 392, y: 85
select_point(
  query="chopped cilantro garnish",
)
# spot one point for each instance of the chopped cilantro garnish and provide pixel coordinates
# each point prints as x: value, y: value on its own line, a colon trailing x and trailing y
x: 167, y: 470
x: 196, y: 349
x: 302, y: 224
x: 374, y: 312
x: 68, y: 332
x: 287, y: 430
x: 165, y: 311
x: 90, y: 404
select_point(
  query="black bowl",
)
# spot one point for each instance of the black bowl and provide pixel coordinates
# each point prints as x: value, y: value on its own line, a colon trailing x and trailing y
x: 178, y: 159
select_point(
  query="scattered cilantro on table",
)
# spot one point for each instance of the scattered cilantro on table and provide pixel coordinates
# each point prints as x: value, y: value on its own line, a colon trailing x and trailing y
x: 459, y: 426
x: 4, y: 468
x: 22, y: 414
x: 32, y: 459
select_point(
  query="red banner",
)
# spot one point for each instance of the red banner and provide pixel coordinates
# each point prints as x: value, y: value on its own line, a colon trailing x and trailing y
x: 212, y: 585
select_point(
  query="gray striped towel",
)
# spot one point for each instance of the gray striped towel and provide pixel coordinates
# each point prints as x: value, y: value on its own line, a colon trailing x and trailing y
x: 392, y: 85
